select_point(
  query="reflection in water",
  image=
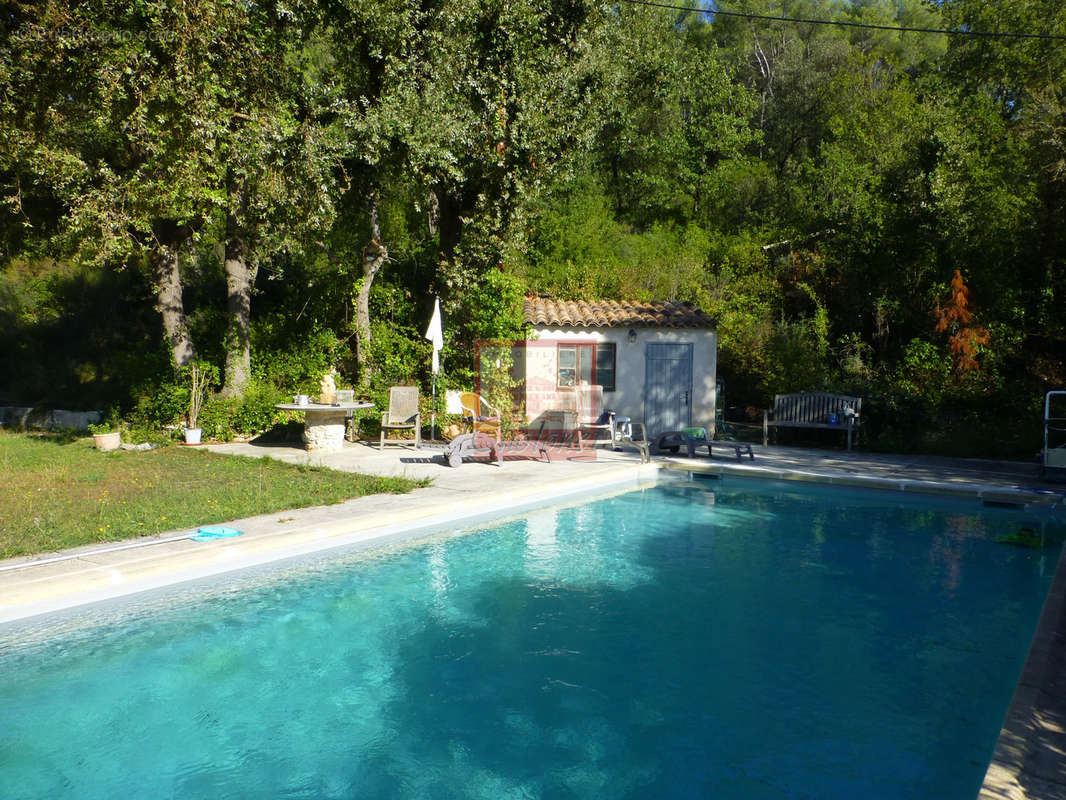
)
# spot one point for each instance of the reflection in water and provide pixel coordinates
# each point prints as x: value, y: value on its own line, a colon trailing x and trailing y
x: 542, y: 549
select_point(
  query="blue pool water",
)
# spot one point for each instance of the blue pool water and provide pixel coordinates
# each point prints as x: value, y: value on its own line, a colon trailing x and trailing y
x: 740, y: 640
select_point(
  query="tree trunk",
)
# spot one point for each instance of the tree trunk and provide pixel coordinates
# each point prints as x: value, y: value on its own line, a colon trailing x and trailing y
x: 449, y: 222
x: 240, y: 278
x: 171, y: 305
x: 374, y: 255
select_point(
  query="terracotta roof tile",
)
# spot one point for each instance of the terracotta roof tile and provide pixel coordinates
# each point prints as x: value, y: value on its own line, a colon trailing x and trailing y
x: 614, y: 314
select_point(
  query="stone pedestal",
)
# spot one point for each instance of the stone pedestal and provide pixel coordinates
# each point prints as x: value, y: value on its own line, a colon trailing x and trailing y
x: 324, y: 426
x: 324, y: 430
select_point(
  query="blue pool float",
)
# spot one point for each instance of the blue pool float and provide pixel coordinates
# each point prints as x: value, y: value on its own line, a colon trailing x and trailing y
x: 212, y: 532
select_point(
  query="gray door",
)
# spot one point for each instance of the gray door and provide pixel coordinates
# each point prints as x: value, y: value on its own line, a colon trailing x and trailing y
x: 667, y: 387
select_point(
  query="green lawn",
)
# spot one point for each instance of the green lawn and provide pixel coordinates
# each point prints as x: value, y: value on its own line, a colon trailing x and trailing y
x: 58, y: 492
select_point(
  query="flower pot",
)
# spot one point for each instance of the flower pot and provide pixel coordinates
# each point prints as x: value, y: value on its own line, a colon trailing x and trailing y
x: 107, y: 441
x: 192, y: 436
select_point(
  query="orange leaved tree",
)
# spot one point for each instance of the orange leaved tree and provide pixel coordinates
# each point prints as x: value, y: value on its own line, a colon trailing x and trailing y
x: 956, y: 319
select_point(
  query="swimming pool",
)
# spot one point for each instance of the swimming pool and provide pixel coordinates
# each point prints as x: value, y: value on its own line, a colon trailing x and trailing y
x: 734, y: 639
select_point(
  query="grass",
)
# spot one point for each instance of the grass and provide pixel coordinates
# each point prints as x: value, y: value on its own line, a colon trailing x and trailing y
x: 61, y: 492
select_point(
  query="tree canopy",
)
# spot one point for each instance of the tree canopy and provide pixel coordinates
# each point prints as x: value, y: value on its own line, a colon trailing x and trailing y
x: 864, y: 210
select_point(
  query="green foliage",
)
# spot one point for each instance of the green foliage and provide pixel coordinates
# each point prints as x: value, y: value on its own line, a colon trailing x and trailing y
x: 398, y: 354
x: 256, y: 412
x: 493, y: 310
x: 672, y: 116
x: 923, y: 373
x: 224, y: 418
x: 490, y: 312
x: 855, y: 359
x: 160, y: 404
x: 110, y: 422
x: 812, y: 187
x: 296, y: 365
x: 397, y: 357
x: 796, y: 357
x: 578, y: 250
x: 137, y: 433
x: 74, y: 337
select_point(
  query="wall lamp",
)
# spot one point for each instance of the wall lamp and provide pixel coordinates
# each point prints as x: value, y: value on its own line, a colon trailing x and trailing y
x: 632, y: 336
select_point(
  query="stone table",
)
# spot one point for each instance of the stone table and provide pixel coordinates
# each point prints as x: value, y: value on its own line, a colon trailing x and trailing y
x: 324, y: 424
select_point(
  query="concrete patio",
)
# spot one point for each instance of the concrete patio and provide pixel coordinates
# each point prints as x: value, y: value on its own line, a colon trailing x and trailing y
x: 888, y: 471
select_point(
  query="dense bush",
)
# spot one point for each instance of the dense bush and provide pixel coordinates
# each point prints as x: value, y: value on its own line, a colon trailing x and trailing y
x: 296, y: 365
x: 160, y: 403
x: 225, y: 417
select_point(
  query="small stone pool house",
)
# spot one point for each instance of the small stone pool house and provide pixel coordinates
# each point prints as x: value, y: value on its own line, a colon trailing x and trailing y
x: 654, y: 362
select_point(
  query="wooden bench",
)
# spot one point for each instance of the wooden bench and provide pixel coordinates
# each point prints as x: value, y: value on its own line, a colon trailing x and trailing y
x: 813, y: 410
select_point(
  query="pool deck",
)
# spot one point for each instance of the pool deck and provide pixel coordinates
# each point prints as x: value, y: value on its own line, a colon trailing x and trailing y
x: 1030, y: 757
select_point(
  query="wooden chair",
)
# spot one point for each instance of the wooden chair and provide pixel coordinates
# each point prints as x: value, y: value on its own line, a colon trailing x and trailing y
x: 403, y: 415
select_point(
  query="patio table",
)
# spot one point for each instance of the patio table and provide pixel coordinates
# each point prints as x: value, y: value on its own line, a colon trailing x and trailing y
x: 324, y: 423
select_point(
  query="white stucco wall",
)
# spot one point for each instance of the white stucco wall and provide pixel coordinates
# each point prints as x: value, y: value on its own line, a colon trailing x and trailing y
x: 628, y: 397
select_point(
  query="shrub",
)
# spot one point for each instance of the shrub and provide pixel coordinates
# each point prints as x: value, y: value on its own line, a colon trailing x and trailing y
x: 159, y: 403
x: 109, y: 422
x: 216, y: 417
x: 256, y: 412
x: 225, y: 417
x: 396, y: 358
x: 797, y: 357
x: 299, y: 364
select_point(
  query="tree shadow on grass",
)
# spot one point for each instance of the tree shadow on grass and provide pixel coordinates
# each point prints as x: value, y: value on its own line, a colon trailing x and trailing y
x: 58, y: 436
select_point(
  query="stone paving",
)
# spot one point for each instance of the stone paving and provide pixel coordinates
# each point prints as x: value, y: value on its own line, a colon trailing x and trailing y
x: 1030, y: 758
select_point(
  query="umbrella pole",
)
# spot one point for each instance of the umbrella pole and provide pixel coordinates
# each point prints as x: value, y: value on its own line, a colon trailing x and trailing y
x: 433, y: 412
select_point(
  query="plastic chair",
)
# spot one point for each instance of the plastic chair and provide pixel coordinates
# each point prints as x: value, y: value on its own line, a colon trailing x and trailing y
x: 633, y: 434
x: 605, y: 422
x: 480, y: 414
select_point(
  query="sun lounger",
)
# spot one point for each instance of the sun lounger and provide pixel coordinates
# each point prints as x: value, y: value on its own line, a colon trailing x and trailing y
x: 471, y: 444
x: 693, y: 438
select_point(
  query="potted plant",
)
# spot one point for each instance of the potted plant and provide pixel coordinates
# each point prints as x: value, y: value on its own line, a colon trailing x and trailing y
x: 199, y: 377
x: 106, y: 434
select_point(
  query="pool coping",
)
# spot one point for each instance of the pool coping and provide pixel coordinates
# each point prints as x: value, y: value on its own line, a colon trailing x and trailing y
x: 1002, y: 494
x: 1029, y: 760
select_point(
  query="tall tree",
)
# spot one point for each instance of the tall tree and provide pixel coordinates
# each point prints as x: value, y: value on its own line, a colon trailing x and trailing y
x: 1023, y: 79
x: 110, y: 107
x: 500, y: 105
x: 476, y: 105
x: 668, y: 119
x: 153, y: 133
x: 279, y: 159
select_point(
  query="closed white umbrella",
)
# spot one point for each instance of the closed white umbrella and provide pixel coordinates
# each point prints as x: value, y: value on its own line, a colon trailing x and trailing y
x: 435, y: 334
